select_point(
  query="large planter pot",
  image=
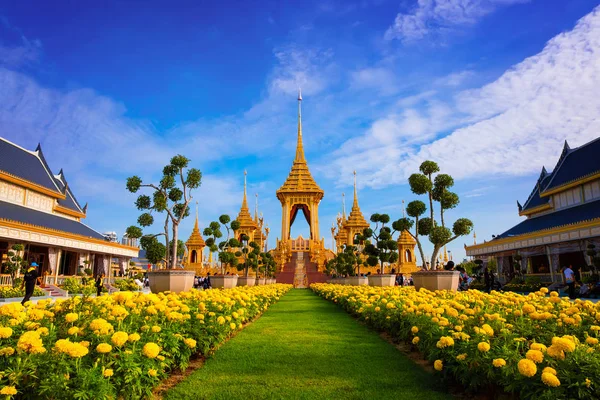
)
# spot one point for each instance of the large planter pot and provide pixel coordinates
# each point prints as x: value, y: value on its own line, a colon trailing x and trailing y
x: 173, y: 280
x: 223, y: 281
x: 260, y: 281
x: 270, y: 281
x: 436, y: 280
x: 382, y: 280
x: 357, y: 280
x: 336, y: 281
x: 246, y: 281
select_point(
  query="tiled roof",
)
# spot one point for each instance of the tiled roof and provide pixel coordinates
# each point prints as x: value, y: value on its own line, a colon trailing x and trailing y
x: 16, y: 213
x: 28, y: 165
x: 575, y: 163
x: 70, y: 201
x: 568, y: 216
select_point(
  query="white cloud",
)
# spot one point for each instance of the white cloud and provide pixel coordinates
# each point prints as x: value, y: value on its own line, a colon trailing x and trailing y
x: 379, y: 78
x: 515, y: 125
x: 439, y: 16
x: 24, y: 53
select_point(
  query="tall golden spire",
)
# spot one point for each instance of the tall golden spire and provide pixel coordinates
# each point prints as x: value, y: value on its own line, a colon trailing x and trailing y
x: 299, y: 145
x: 244, y: 217
x: 196, y: 237
x: 344, y: 206
x: 196, y: 223
x: 245, y: 200
x: 355, y: 202
x: 256, y: 208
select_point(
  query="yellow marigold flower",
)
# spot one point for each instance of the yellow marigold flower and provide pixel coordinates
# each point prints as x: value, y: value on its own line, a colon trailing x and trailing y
x: 73, y: 330
x: 487, y: 330
x: 7, y: 351
x: 5, y: 333
x: 415, y: 340
x: 156, y: 329
x: 564, y: 344
x: 527, y: 367
x: 414, y: 330
x: 499, y: 362
x: 544, y: 290
x: 550, y: 380
x: 483, y: 347
x: 591, y: 341
x: 377, y: 309
x: 438, y: 365
x: 555, y: 351
x: 538, y: 346
x: 593, y: 327
x: 31, y: 342
x: 191, y: 343
x: 232, y: 325
x: 103, y: 348
x: 119, y: 338
x: 71, y: 317
x: 134, y: 337
x: 461, y: 357
x: 160, y: 358
x: 528, y: 308
x: 220, y: 320
x: 588, y: 383
x: 151, y: 350
x: 43, y: 331
x: 108, y: 373
x: 549, y: 370
x: 535, y: 355
x: 200, y: 317
x: 152, y: 372
x: 8, y: 390
x: 445, y: 341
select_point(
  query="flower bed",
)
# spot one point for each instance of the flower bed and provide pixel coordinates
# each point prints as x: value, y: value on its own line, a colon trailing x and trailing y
x: 117, y: 346
x: 127, y: 284
x: 537, y: 346
x: 7, y: 292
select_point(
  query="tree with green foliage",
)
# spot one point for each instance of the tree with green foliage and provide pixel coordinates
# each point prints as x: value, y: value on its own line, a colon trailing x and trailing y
x: 180, y: 248
x: 227, y: 256
x: 250, y: 254
x: 437, y: 190
x: 171, y: 195
x: 267, y: 264
x: 14, y: 262
x: 155, y: 250
x: 381, y: 247
x: 415, y: 209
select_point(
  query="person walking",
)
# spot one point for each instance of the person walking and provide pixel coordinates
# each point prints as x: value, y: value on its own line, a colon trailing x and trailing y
x: 30, y: 278
x: 570, y: 281
x: 99, y: 284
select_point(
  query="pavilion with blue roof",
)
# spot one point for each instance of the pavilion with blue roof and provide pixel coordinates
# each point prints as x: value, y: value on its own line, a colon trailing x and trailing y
x: 562, y: 219
x: 40, y: 211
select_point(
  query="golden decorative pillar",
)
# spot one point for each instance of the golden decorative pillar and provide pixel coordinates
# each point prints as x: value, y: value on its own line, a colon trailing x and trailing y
x: 195, y: 246
x: 407, y: 261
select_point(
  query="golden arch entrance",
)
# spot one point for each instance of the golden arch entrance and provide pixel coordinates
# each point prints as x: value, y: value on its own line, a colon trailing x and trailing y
x: 300, y: 197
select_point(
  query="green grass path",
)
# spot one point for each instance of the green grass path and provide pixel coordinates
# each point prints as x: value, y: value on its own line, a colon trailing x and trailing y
x: 304, y: 347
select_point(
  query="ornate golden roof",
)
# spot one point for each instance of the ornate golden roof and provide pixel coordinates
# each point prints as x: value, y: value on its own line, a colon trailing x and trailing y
x: 406, y: 239
x: 300, y: 179
x: 356, y: 217
x: 195, y: 238
x: 244, y: 217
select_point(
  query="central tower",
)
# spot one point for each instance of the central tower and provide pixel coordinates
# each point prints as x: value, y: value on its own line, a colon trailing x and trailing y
x: 300, y: 194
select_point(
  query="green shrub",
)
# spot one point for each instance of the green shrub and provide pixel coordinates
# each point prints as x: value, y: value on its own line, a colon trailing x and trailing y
x: 126, y: 285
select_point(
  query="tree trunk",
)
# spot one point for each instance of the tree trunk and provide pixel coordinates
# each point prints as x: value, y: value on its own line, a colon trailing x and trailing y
x: 434, y: 257
x: 174, y: 248
x: 431, y: 204
x: 167, y: 249
x: 419, y: 243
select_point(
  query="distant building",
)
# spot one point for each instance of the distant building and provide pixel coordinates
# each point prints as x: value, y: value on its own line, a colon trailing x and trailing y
x: 132, y: 242
x: 563, y: 217
x: 39, y: 210
x: 111, y: 237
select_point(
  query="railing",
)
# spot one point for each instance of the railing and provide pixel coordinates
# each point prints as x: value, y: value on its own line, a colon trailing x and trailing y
x: 300, y: 245
x: 5, y: 280
x: 543, y: 277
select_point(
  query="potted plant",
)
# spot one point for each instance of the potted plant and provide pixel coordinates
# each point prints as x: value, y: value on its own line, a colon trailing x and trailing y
x: 250, y: 253
x: 380, y: 249
x: 227, y: 256
x: 172, y: 196
x: 436, y: 188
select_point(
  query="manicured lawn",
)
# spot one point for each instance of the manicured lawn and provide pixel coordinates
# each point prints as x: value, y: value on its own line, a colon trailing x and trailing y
x: 307, y: 348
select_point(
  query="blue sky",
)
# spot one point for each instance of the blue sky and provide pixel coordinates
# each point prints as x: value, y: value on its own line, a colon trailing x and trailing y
x: 488, y: 88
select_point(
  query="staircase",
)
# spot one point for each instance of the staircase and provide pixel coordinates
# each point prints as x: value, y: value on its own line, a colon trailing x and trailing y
x: 54, y: 291
x: 310, y: 269
x: 300, y: 278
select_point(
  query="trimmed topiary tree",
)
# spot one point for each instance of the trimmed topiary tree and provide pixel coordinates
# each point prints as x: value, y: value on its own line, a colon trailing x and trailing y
x: 380, y: 248
x: 437, y: 190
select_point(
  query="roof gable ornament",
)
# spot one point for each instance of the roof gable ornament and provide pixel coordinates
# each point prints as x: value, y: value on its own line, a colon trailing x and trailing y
x: 519, y: 206
x: 85, y: 208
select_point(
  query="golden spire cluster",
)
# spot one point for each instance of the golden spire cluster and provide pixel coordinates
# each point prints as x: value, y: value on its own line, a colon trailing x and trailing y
x: 244, y: 217
x: 356, y: 217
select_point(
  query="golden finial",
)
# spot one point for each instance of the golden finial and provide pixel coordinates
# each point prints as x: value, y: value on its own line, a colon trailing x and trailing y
x: 245, y: 201
x: 256, y: 208
x: 344, y: 206
x: 403, y: 210
x: 196, y: 224
x: 299, y: 145
x: 474, y: 238
x: 355, y: 203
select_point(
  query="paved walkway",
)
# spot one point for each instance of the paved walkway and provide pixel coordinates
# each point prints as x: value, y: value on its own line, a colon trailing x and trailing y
x: 304, y: 347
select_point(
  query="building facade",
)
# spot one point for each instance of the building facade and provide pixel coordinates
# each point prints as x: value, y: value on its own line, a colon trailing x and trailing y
x: 39, y: 210
x: 562, y: 219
